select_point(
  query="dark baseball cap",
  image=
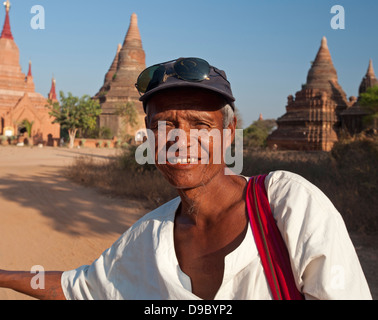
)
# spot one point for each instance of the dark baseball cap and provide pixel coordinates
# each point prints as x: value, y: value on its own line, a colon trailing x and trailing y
x: 184, y: 72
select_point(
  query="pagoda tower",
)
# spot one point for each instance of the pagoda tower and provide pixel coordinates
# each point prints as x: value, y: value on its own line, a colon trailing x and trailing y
x: 18, y: 99
x: 109, y: 75
x: 352, y: 118
x: 370, y: 80
x: 11, y: 75
x: 119, y: 83
x: 29, y: 79
x: 312, y: 118
x: 52, y: 94
x: 7, y: 33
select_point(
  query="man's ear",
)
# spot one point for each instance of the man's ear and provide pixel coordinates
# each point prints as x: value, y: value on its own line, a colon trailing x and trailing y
x: 230, y: 135
x: 145, y: 123
x: 232, y: 127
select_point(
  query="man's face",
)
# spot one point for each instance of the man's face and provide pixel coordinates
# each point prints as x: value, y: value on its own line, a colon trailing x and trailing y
x: 191, y: 161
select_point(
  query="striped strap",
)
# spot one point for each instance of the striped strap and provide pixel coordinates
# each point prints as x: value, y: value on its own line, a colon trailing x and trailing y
x: 272, y: 249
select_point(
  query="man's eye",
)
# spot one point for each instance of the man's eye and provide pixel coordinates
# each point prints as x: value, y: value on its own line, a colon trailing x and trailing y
x: 202, y: 124
x: 153, y: 126
x: 162, y: 125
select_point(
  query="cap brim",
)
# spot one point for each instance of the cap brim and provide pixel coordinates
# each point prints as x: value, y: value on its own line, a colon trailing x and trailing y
x: 185, y: 84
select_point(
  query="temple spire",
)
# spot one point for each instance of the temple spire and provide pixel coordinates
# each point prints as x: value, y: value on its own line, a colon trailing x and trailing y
x: 133, y: 34
x: 324, y: 43
x: 7, y: 33
x: 323, y: 53
x: 121, y: 89
x: 131, y: 56
x: 29, y: 79
x: 52, y: 93
x: 113, y: 67
x: 322, y: 72
x: 370, y: 71
x: 370, y: 80
x: 30, y: 69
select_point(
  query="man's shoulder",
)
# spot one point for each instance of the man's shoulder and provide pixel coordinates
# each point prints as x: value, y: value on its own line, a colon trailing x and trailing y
x: 165, y: 212
x: 277, y: 175
x: 289, y: 190
x: 280, y: 179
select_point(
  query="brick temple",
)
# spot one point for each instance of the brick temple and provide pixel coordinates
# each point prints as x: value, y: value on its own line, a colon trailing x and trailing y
x: 352, y: 118
x: 119, y: 83
x: 18, y: 99
x: 316, y: 115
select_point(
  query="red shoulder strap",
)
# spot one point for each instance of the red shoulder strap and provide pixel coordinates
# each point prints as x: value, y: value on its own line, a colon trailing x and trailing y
x: 272, y: 249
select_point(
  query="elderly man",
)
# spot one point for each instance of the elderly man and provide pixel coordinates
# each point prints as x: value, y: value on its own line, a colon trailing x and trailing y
x: 202, y: 245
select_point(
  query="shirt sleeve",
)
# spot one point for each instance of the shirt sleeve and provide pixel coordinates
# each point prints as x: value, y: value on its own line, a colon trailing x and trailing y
x: 91, y: 282
x: 324, y: 262
x: 108, y: 277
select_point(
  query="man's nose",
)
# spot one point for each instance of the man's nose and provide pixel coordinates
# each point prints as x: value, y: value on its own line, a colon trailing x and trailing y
x: 181, y: 137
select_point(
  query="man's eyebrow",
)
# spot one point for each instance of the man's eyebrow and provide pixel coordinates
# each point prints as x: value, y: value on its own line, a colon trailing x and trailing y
x: 159, y: 117
x: 153, y: 121
x: 202, y: 116
x: 191, y: 115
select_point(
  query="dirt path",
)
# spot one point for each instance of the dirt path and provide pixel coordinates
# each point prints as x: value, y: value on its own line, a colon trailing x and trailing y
x: 49, y: 221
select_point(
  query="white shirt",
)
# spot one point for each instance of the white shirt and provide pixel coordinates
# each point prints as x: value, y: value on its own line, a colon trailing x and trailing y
x: 142, y: 264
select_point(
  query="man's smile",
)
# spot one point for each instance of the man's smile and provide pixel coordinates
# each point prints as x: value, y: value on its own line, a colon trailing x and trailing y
x: 183, y: 160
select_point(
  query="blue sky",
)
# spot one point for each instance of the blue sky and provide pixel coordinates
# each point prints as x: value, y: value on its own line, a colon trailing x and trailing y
x: 265, y: 47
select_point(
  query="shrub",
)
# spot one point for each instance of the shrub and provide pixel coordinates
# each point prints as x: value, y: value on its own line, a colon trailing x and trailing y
x: 122, y: 176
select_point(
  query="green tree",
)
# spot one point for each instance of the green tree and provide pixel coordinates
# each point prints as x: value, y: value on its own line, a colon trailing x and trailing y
x: 74, y: 113
x: 28, y: 126
x: 369, y: 101
x: 256, y: 134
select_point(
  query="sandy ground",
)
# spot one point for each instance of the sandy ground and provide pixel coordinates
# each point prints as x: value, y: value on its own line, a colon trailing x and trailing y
x: 49, y: 221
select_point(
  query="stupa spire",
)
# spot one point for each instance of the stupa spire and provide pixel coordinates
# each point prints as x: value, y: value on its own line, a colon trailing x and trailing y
x: 30, y: 69
x: 29, y: 79
x: 322, y: 72
x: 7, y: 33
x: 324, y: 43
x: 113, y: 68
x: 323, y: 53
x: 133, y: 34
x: 370, y: 80
x: 128, y: 63
x: 52, y: 93
x: 131, y: 58
x: 370, y: 71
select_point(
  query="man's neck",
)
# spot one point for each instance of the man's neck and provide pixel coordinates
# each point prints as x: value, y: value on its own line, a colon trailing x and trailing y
x: 206, y: 204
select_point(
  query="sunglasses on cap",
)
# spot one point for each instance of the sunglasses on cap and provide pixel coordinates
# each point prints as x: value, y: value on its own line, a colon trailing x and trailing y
x: 187, y: 69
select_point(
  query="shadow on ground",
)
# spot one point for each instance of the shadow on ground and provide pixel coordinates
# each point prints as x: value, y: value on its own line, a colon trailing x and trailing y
x: 70, y: 208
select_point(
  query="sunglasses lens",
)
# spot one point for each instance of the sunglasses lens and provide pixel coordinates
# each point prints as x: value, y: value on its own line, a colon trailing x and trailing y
x: 145, y: 78
x: 192, y: 69
x: 189, y: 69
